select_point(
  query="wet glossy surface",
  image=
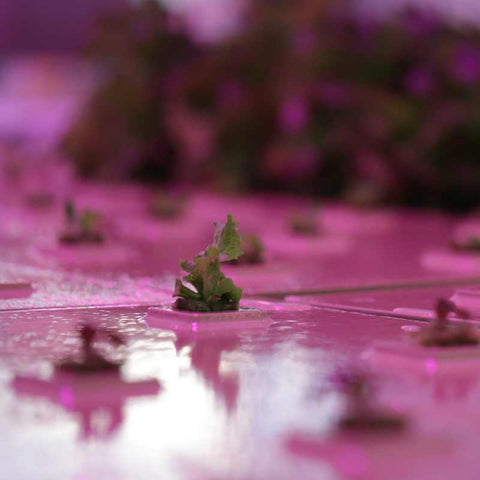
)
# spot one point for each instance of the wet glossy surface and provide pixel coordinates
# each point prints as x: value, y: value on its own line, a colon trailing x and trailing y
x: 218, y: 394
x: 226, y: 403
x: 197, y: 407
x: 416, y: 303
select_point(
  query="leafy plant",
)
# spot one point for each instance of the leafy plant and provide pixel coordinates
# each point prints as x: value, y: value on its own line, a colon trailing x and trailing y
x: 443, y: 333
x: 205, y: 288
x: 123, y: 129
x: 168, y: 206
x: 304, y: 224
x: 253, y: 250
x: 470, y: 244
x: 81, y: 226
x: 308, y: 97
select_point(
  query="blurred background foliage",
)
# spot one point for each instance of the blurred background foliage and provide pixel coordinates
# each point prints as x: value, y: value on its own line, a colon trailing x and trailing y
x: 308, y: 97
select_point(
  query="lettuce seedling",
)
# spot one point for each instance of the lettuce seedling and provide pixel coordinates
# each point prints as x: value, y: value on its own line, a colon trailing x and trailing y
x: 253, y: 251
x: 304, y: 224
x: 169, y: 206
x: 205, y: 288
x: 443, y: 333
x: 470, y: 244
x: 81, y: 226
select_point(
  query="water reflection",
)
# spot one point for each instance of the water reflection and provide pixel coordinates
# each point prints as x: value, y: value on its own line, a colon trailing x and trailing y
x: 453, y: 377
x: 206, y: 358
x: 97, y: 399
x: 451, y: 386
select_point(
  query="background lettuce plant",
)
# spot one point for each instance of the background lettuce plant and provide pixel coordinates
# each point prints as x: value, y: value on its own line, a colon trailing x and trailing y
x: 309, y: 97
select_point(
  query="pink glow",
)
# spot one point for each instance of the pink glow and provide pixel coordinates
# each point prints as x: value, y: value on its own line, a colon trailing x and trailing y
x: 246, y: 394
x: 67, y: 398
x: 431, y: 366
x: 352, y: 460
x: 235, y: 390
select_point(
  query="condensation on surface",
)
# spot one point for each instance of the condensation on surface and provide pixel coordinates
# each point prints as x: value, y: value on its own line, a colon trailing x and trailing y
x: 240, y: 404
x: 225, y: 405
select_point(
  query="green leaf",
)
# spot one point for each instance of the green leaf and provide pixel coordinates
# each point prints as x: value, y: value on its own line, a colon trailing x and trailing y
x: 226, y: 287
x: 227, y: 240
x: 187, y: 266
x: 212, y: 290
x: 183, y: 291
x: 88, y: 221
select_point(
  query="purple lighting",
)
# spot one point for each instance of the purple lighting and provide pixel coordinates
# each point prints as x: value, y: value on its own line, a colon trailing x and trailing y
x: 239, y: 239
x: 419, y: 81
x: 67, y: 398
x: 294, y: 114
x: 466, y: 64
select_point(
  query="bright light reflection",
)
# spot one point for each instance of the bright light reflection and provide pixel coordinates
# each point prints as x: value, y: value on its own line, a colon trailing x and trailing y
x: 184, y: 418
